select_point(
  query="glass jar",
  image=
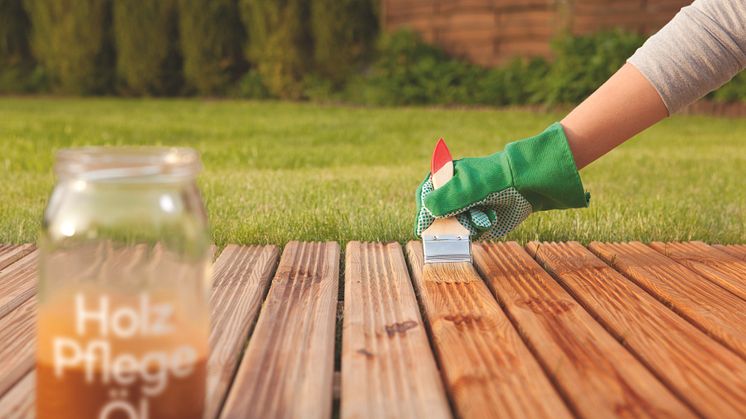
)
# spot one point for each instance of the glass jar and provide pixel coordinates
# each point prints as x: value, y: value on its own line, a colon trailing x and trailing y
x: 123, y: 318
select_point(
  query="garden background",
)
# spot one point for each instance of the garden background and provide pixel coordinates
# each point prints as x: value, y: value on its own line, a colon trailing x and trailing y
x: 297, y: 109
x: 318, y: 50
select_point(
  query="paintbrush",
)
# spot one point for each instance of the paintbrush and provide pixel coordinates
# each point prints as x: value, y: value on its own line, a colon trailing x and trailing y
x: 446, y: 240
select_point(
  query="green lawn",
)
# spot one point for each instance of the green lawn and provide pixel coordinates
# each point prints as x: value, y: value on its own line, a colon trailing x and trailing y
x: 281, y: 171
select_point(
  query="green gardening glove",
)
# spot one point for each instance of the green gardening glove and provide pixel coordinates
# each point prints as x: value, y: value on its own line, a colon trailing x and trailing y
x: 491, y: 195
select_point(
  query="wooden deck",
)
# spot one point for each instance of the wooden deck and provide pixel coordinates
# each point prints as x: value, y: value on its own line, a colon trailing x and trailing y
x: 547, y: 330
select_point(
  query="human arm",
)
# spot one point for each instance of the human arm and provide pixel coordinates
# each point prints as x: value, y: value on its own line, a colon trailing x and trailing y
x: 622, y: 107
x: 703, y: 47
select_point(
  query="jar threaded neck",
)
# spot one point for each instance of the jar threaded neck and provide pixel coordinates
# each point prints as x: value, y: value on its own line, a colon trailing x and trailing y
x: 127, y: 163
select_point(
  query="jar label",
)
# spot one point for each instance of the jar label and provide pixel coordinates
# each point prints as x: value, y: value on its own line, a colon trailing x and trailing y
x: 119, y: 357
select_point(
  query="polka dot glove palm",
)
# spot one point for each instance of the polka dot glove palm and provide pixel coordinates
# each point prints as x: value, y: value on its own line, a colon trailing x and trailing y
x: 491, y: 195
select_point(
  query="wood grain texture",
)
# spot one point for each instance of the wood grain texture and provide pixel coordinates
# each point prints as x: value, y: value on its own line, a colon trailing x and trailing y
x: 17, y: 337
x: 719, y: 267
x: 240, y: 279
x: 709, y: 377
x: 576, y: 351
x: 488, y: 370
x: 288, y: 366
x: 18, y: 403
x: 716, y: 311
x: 10, y: 253
x: 736, y: 250
x: 18, y: 282
x: 388, y: 368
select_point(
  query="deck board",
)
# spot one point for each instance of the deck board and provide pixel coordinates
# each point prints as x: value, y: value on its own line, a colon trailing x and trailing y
x: 17, y: 330
x: 622, y: 330
x: 18, y: 273
x: 18, y: 403
x: 11, y: 253
x: 574, y: 349
x: 288, y: 367
x: 240, y: 280
x: 17, y: 282
x: 737, y: 250
x: 710, y: 307
x: 488, y: 370
x: 388, y: 368
x: 711, y: 378
x: 719, y: 267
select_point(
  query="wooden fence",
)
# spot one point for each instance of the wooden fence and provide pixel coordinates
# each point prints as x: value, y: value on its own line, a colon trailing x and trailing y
x: 488, y: 32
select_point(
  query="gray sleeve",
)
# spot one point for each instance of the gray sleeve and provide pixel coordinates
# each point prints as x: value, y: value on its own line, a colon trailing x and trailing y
x: 702, y: 48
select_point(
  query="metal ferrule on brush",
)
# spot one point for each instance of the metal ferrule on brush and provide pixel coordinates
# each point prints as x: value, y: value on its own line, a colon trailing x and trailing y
x: 446, y: 248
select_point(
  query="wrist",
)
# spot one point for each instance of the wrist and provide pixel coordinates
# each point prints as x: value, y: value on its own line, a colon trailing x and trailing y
x: 544, y: 171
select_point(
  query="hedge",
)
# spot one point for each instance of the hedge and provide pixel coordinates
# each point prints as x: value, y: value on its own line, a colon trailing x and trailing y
x: 72, y: 39
x: 343, y: 31
x: 279, y: 43
x: 148, y: 60
x: 583, y: 63
x: 292, y: 49
x: 212, y: 43
x: 15, y: 52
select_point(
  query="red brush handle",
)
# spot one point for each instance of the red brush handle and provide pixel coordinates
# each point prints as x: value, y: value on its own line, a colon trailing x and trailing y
x: 441, y: 157
x: 441, y: 170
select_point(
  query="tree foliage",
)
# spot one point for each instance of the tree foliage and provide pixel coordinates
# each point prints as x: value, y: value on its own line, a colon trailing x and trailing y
x: 279, y: 43
x: 343, y: 31
x: 15, y: 53
x: 146, y: 36
x: 583, y: 63
x: 72, y: 40
x: 212, y: 42
x: 14, y: 31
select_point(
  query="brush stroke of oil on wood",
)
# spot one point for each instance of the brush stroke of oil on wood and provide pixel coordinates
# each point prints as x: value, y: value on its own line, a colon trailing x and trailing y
x: 488, y: 370
x: 719, y: 267
x: 575, y: 350
x: 711, y: 378
x: 710, y: 307
x: 737, y: 250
